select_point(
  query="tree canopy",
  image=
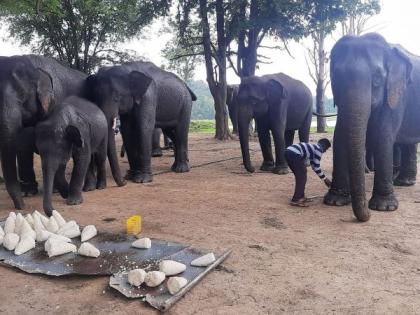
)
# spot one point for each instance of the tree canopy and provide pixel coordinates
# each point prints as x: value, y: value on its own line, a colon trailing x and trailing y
x: 81, y: 33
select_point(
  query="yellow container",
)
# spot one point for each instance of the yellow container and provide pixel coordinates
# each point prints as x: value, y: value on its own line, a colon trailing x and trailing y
x: 134, y: 225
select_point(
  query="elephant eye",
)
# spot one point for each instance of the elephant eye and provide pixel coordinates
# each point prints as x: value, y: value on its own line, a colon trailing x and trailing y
x: 116, y: 97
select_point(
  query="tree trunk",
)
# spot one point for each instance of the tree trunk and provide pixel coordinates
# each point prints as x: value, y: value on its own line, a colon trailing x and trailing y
x: 218, y: 88
x: 320, y: 86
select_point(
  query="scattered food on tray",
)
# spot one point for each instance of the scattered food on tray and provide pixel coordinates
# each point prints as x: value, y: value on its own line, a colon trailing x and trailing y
x: 171, y: 267
x: 88, y: 232
x: 154, y: 278
x: 143, y: 243
x: 204, y: 261
x: 88, y: 250
x: 56, y: 247
x: 10, y: 241
x: 25, y: 244
x: 136, y: 277
x: 175, y: 284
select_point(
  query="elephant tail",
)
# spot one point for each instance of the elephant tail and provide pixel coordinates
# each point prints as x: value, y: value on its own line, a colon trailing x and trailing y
x: 323, y: 115
x: 193, y: 96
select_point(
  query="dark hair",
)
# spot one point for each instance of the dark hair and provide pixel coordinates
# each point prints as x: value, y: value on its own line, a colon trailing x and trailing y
x: 325, y: 143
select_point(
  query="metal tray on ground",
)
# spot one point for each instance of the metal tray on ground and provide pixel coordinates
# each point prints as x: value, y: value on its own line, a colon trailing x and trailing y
x: 159, y: 297
x: 117, y: 255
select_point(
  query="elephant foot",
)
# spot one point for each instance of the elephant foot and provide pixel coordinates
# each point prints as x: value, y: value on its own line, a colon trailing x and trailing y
x: 281, y: 170
x: 76, y: 199
x: 336, y: 197
x: 157, y: 152
x: 181, y: 167
x: 29, y: 188
x: 405, y: 182
x: 64, y: 192
x: 383, y: 203
x: 267, y: 166
x: 142, y: 178
x: 121, y: 183
x: 101, y: 184
x: 131, y: 174
x: 89, y: 186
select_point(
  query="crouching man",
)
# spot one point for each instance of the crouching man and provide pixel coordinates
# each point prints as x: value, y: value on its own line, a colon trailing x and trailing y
x: 296, y: 156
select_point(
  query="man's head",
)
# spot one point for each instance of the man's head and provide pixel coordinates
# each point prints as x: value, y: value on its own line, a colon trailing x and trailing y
x: 325, y: 144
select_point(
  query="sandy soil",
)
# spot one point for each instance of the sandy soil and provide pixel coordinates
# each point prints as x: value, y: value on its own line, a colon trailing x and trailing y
x: 284, y: 260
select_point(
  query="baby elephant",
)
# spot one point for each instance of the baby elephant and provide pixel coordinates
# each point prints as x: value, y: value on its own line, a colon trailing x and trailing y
x: 74, y: 128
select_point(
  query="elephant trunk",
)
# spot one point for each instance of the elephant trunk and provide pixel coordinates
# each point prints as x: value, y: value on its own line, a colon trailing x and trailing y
x: 49, y: 168
x: 244, y: 118
x: 113, y: 158
x: 10, y: 124
x: 355, y: 117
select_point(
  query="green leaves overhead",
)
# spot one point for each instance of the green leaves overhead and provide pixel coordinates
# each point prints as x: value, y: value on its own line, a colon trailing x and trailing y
x: 81, y: 33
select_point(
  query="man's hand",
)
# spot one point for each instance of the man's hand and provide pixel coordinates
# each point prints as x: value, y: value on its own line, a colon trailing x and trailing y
x: 327, y: 182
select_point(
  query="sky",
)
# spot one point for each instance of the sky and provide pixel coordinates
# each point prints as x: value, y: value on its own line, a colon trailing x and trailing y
x: 398, y: 22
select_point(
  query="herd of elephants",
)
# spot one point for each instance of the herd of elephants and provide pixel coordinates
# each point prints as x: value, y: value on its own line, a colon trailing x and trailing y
x: 61, y: 113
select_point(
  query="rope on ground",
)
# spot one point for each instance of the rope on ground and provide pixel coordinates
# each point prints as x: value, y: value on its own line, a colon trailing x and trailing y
x: 201, y: 165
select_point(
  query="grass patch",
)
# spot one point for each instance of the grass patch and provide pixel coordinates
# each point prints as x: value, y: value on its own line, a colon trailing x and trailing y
x: 329, y: 130
x: 203, y: 126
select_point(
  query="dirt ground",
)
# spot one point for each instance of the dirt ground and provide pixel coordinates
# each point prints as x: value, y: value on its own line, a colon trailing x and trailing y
x: 284, y: 260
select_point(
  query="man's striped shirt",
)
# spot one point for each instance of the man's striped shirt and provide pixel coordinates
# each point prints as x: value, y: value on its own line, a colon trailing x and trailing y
x: 309, y: 151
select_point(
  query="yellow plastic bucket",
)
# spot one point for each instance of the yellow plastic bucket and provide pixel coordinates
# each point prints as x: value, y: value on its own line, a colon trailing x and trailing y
x: 134, y: 225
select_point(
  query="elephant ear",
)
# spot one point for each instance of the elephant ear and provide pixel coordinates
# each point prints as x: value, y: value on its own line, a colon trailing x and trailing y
x: 399, y: 75
x: 74, y: 136
x: 275, y: 91
x: 44, y: 90
x: 139, y: 83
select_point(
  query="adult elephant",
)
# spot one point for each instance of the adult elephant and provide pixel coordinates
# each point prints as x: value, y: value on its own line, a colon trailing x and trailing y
x: 279, y: 104
x: 232, y: 104
x: 375, y: 87
x: 145, y: 97
x: 30, y: 85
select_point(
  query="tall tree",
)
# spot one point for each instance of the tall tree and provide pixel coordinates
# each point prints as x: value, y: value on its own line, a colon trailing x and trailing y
x: 323, y: 19
x: 81, y: 33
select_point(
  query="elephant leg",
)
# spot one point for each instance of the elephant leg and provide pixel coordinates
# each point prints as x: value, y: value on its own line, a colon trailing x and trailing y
x: 100, y: 162
x: 156, y: 150
x: 281, y: 167
x: 25, y: 158
x: 339, y: 193
x: 168, y: 143
x: 396, y: 160
x: 383, y: 198
x: 130, y: 144
x: 289, y: 136
x: 408, y: 171
x: 181, y: 145
x: 60, y: 181
x: 90, y: 179
x: 265, y: 144
x: 81, y: 159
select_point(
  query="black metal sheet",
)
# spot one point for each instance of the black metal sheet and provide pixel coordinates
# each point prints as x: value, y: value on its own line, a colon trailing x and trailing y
x: 159, y: 297
x: 117, y: 255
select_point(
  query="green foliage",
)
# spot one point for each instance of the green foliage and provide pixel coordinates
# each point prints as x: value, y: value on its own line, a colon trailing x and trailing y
x: 203, y: 126
x: 203, y: 108
x: 81, y: 33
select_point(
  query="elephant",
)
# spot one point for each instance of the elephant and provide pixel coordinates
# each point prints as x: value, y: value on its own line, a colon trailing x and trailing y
x: 30, y: 86
x: 145, y: 97
x: 375, y: 88
x: 232, y: 104
x: 74, y: 128
x: 279, y: 104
